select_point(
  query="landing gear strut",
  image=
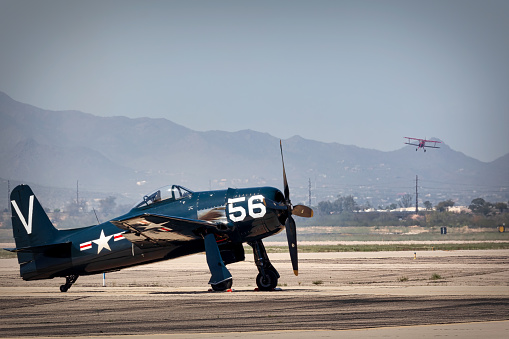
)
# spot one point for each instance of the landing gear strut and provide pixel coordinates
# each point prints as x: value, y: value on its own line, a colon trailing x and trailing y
x: 268, y: 275
x: 69, y: 280
x: 221, y: 279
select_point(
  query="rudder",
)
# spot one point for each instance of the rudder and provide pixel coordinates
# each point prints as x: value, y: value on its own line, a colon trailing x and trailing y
x: 31, y: 225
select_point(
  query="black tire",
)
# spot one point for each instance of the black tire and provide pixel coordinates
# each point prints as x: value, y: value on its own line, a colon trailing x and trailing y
x: 222, y: 286
x: 63, y: 288
x: 267, y: 283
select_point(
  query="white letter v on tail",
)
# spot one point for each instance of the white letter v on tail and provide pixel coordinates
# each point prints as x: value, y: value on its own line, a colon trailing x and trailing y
x: 28, y: 226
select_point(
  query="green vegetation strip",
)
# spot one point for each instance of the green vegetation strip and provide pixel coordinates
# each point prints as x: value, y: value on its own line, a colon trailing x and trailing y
x: 390, y: 247
x: 6, y: 254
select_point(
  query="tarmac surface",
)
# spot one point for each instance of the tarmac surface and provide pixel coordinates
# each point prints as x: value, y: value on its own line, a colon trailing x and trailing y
x: 353, y: 295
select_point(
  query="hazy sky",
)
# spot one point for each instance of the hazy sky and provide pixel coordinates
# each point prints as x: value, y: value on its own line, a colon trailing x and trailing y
x: 363, y: 73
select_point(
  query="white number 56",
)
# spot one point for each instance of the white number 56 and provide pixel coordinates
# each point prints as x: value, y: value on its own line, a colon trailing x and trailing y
x: 255, y: 209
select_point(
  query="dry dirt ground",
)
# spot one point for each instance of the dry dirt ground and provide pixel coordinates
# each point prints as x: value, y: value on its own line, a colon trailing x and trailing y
x: 334, y: 291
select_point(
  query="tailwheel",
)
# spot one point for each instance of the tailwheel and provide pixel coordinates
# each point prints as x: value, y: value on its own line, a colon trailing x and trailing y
x: 267, y: 282
x: 223, y: 285
x: 69, y: 280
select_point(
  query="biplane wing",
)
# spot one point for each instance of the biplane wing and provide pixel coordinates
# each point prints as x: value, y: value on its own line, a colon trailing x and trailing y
x: 434, y: 144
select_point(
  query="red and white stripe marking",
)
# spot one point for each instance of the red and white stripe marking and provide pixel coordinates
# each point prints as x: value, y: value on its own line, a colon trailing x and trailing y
x: 118, y: 236
x: 86, y: 246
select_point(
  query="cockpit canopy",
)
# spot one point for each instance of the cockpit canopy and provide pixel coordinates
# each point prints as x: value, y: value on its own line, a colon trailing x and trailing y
x: 170, y: 193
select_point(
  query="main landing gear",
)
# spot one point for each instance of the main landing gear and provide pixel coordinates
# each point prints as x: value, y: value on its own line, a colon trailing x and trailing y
x: 221, y: 279
x: 222, y: 286
x: 268, y: 275
x: 69, y: 280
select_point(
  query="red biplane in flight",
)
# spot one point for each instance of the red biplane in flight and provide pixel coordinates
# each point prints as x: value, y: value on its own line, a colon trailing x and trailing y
x: 421, y: 143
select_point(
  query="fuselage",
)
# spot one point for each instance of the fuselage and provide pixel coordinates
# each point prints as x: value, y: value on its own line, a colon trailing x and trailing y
x: 240, y: 215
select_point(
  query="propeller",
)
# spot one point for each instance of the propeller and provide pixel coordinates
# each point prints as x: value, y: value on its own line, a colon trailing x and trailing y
x: 299, y: 210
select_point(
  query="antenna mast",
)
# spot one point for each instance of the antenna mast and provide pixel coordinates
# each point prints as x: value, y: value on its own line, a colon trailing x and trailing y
x: 416, y: 196
x: 309, y: 192
x: 9, y: 194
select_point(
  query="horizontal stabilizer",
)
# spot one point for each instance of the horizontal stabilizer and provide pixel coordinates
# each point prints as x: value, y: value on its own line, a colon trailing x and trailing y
x: 59, y: 250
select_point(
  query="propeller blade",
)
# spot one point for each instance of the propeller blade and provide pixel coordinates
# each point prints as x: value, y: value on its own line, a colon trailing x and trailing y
x: 285, y: 182
x: 291, y: 235
x: 302, y: 211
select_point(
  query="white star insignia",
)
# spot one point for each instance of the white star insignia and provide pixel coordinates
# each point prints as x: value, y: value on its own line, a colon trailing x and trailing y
x: 102, y: 242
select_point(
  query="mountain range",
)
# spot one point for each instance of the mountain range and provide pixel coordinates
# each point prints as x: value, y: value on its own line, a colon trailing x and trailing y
x: 130, y: 157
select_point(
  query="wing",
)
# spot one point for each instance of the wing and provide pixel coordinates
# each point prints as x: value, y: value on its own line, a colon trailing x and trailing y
x: 412, y: 143
x: 434, y: 143
x: 151, y: 230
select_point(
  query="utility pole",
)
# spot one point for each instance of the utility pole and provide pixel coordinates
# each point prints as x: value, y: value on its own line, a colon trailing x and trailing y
x: 9, y: 194
x: 309, y: 192
x: 416, y: 196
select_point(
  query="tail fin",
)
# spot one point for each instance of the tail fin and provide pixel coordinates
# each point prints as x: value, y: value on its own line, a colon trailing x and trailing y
x: 30, y: 223
x: 41, y: 255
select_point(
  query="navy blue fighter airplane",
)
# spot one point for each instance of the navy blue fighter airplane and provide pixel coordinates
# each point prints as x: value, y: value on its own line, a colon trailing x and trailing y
x: 171, y: 222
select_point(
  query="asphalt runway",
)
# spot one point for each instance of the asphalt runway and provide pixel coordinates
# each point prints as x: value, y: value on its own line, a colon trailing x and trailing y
x: 358, y: 294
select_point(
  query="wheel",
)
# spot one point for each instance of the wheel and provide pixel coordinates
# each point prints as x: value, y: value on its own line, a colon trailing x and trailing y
x: 267, y: 282
x: 63, y: 288
x: 222, y: 286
